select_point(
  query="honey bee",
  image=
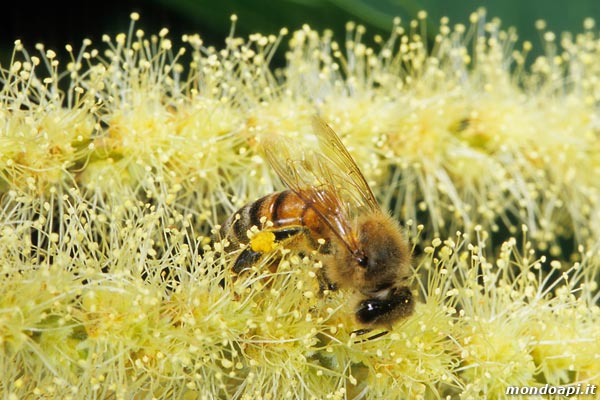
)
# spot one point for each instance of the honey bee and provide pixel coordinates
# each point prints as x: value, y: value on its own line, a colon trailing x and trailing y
x: 330, y: 208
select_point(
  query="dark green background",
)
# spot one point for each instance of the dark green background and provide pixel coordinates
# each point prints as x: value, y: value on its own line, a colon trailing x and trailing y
x: 60, y: 22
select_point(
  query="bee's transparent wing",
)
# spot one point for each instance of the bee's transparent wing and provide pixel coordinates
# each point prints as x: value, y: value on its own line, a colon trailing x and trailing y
x: 325, y: 177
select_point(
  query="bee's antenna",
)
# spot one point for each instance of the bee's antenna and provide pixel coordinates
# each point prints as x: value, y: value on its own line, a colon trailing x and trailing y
x: 360, y: 332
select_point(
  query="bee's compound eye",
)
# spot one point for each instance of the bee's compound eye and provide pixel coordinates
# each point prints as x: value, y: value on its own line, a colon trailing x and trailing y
x: 372, y: 309
x: 399, y: 304
x: 362, y: 261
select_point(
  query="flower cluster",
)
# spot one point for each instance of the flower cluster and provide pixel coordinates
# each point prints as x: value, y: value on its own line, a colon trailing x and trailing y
x: 117, y: 167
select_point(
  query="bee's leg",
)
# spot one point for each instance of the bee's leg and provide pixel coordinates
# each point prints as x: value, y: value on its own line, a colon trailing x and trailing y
x: 249, y: 257
x: 246, y: 260
x: 325, y: 283
x: 287, y: 232
x: 360, y: 332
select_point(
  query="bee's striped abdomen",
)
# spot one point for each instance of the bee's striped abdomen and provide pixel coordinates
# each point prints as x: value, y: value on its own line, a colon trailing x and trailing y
x: 284, y: 209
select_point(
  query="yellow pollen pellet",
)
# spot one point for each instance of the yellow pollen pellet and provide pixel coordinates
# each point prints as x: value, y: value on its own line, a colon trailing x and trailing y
x: 263, y: 242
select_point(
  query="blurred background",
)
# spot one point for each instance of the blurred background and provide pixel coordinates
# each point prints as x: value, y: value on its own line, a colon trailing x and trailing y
x: 56, y: 23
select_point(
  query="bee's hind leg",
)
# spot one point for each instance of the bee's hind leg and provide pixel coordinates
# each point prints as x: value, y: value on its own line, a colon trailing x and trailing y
x: 250, y: 257
x: 245, y: 260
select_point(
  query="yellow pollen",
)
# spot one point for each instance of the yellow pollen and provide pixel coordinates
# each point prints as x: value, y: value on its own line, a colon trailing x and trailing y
x: 263, y: 242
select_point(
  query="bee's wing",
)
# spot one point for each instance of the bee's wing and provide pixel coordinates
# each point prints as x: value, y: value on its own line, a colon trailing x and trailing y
x: 326, y: 178
x: 345, y: 174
